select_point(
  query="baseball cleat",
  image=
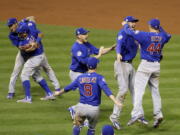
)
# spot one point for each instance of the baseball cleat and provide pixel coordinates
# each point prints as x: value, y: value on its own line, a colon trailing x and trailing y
x: 72, y: 112
x: 86, y: 123
x: 115, y: 123
x: 48, y: 97
x: 157, y: 122
x: 25, y: 100
x: 132, y: 121
x: 142, y: 120
x: 10, y: 95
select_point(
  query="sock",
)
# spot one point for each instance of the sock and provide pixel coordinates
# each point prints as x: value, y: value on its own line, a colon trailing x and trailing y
x: 44, y: 85
x: 91, y: 132
x: 26, y: 85
x: 76, y: 130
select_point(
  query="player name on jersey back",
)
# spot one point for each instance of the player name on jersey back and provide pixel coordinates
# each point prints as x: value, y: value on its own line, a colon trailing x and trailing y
x: 156, y: 38
x: 88, y: 80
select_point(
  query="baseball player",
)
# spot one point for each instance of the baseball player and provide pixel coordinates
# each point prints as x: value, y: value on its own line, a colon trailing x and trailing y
x: 107, y: 130
x: 148, y: 71
x: 34, y: 52
x: 90, y: 85
x: 81, y: 51
x: 124, y: 71
x: 20, y: 60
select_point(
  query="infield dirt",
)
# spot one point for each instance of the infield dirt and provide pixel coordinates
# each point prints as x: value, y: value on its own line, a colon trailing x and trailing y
x: 103, y: 14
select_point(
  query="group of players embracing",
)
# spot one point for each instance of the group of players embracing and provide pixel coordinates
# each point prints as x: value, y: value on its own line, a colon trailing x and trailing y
x: 31, y: 59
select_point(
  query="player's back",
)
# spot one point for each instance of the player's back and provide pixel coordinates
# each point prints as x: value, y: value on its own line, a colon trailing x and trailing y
x: 90, y: 85
x: 152, y: 44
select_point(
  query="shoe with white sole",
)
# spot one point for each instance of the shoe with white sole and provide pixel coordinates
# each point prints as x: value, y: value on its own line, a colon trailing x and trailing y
x: 157, y: 122
x: 115, y: 123
x: 10, y: 95
x: 143, y: 121
x: 132, y: 120
x: 48, y: 97
x: 25, y: 100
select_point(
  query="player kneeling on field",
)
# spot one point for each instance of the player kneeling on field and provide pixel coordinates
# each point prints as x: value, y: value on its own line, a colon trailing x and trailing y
x: 90, y: 85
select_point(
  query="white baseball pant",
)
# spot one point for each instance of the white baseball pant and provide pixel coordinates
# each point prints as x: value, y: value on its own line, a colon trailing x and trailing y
x: 31, y: 66
x: 89, y: 112
x: 125, y: 75
x: 148, y: 72
x: 19, y: 62
x: 73, y: 75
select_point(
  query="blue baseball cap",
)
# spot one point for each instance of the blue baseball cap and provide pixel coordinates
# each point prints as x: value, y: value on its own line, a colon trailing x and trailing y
x: 107, y: 130
x: 11, y: 21
x: 130, y: 19
x: 23, y: 29
x: 92, y: 62
x: 154, y: 23
x: 81, y: 31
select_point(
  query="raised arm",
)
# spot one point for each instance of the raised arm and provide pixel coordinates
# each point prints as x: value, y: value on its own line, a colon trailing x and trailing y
x: 168, y: 36
x: 136, y: 34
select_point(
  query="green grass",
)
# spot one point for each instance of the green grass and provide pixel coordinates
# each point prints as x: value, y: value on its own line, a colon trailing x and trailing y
x: 52, y: 117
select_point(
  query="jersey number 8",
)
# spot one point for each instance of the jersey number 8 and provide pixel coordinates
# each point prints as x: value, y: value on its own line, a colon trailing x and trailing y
x: 88, y: 90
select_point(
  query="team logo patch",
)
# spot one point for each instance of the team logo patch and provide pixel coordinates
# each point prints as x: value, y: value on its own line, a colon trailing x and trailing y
x: 120, y: 37
x: 79, y: 53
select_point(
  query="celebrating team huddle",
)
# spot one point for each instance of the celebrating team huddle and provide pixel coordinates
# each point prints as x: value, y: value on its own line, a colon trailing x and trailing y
x: 31, y: 59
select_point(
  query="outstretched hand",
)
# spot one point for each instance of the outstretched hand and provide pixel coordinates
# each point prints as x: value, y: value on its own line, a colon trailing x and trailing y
x: 101, y: 49
x: 58, y: 93
x: 119, y: 104
x: 113, y: 46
